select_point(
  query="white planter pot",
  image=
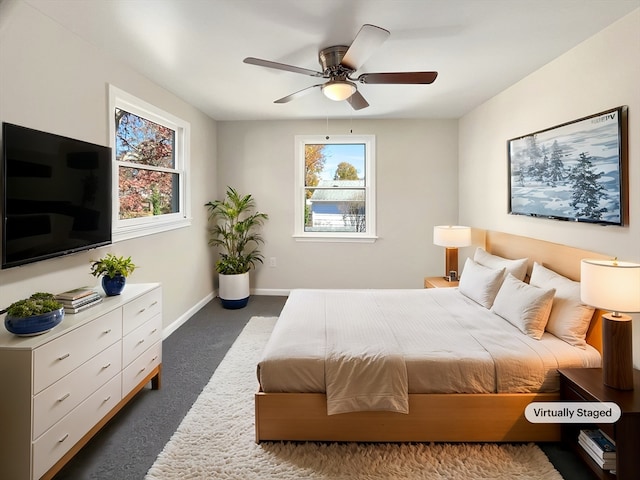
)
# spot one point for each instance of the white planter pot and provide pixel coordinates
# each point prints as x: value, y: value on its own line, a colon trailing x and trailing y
x: 234, y: 290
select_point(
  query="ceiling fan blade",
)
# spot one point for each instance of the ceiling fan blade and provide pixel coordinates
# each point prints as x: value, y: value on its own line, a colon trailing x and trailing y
x: 399, y: 77
x: 282, y: 66
x: 299, y: 93
x: 357, y: 101
x: 367, y: 40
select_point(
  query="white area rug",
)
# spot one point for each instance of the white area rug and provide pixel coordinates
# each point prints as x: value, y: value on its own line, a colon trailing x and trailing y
x: 216, y: 441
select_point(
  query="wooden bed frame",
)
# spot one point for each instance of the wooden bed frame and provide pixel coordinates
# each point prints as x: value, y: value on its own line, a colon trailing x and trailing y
x: 433, y: 417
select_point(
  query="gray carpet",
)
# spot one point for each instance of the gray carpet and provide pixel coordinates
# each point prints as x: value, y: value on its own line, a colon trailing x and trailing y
x: 127, y: 446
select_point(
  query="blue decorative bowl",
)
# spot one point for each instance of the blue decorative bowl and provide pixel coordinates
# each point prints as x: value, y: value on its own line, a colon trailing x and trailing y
x: 34, y: 325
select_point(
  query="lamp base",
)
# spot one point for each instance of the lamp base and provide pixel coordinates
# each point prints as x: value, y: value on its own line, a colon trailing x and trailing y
x: 617, y: 353
x: 451, y: 261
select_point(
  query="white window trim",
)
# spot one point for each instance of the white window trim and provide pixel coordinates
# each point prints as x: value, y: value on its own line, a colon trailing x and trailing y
x: 138, y: 227
x: 370, y: 197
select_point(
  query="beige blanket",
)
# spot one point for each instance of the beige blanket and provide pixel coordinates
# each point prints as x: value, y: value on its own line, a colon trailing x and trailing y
x: 364, y: 365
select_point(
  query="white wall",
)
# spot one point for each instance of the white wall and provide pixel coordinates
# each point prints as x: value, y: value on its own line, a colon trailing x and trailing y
x: 416, y: 189
x: 599, y: 74
x: 51, y: 80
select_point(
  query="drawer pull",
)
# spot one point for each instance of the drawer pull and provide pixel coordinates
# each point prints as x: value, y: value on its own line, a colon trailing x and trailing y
x: 107, y: 399
x: 141, y: 311
x: 154, y: 358
x: 154, y: 331
x: 154, y: 304
x: 64, y: 397
x: 142, y: 369
x: 107, y: 331
x: 63, y: 356
x: 63, y: 438
x: 106, y: 366
x: 141, y: 341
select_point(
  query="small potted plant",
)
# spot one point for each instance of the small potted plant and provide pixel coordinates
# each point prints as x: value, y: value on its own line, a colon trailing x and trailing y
x: 114, y: 272
x: 235, y: 232
x: 34, y: 315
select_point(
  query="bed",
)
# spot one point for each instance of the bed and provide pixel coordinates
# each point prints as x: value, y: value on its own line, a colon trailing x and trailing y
x: 307, y: 379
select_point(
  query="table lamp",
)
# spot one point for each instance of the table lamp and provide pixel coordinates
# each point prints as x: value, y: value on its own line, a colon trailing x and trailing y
x: 451, y: 237
x: 613, y: 285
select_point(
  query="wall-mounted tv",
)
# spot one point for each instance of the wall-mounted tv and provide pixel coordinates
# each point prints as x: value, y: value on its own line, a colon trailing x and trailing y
x: 56, y: 195
x: 576, y: 171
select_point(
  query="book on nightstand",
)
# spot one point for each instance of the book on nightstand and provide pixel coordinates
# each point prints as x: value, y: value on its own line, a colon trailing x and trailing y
x: 599, y: 447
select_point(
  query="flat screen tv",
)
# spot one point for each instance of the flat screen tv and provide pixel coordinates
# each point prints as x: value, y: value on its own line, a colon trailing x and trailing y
x: 576, y: 171
x: 56, y: 195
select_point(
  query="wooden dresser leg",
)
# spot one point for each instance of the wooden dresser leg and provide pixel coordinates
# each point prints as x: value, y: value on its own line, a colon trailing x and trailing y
x: 156, y: 382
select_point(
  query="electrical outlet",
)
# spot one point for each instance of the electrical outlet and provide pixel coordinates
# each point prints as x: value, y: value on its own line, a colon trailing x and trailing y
x: 272, y: 262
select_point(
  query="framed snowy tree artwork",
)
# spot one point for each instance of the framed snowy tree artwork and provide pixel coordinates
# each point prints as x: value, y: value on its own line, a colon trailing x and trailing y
x: 576, y: 171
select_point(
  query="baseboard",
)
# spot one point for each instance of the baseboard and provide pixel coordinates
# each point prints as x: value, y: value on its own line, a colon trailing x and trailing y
x: 274, y: 292
x: 187, y: 315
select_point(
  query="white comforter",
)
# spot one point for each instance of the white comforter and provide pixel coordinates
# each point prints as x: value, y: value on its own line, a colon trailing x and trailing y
x: 367, y: 349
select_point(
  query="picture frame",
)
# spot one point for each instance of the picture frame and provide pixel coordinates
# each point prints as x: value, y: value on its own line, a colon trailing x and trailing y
x: 576, y: 171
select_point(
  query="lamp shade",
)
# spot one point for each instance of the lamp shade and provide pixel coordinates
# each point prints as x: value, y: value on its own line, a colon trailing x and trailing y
x: 452, y: 236
x: 338, y: 89
x: 610, y: 285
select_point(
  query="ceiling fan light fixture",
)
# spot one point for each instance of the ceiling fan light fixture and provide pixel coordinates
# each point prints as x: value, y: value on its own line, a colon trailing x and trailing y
x: 338, y: 89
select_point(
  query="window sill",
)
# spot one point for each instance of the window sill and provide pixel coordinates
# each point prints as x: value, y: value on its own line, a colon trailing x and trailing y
x: 333, y: 238
x: 135, y: 231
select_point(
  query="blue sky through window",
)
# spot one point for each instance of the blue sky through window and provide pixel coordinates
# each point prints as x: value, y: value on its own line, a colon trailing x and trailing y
x: 336, y: 153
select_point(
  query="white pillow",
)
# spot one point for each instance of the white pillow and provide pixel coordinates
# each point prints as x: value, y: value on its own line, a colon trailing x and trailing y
x: 523, y: 305
x: 517, y: 268
x: 570, y: 318
x: 480, y: 283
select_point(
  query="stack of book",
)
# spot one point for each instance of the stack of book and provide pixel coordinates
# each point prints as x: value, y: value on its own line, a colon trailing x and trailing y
x: 79, y: 299
x: 599, y: 447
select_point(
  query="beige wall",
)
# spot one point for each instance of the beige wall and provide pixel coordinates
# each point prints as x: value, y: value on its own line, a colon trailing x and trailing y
x: 599, y: 74
x: 416, y: 189
x: 52, y: 81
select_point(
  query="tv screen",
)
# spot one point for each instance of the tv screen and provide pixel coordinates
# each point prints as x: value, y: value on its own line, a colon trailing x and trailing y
x: 56, y: 195
x: 575, y: 171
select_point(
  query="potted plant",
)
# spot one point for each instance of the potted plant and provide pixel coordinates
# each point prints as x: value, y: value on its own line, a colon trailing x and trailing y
x: 235, y: 232
x: 114, y: 272
x: 34, y: 315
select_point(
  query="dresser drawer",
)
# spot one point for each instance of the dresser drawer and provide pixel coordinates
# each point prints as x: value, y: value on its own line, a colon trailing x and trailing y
x: 57, y: 441
x: 55, y: 401
x: 63, y: 354
x: 140, y: 339
x: 141, y: 367
x: 141, y: 309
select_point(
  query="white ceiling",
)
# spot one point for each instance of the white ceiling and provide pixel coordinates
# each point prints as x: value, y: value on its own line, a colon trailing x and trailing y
x: 195, y: 48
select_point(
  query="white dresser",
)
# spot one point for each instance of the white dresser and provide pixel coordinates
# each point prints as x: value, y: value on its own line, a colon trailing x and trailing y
x: 58, y: 389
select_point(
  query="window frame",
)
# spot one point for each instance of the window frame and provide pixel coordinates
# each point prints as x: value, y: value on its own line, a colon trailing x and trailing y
x: 124, y: 229
x: 369, y: 236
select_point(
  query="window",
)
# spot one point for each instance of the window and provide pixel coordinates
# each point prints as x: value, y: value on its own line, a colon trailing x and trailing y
x: 151, y: 159
x: 334, y: 185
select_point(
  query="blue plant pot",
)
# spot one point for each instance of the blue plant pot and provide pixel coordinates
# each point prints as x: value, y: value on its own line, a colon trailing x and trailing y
x: 113, y: 286
x: 34, y: 325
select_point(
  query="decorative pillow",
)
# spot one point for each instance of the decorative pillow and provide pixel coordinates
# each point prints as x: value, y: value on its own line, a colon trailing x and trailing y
x: 480, y: 283
x: 523, y: 305
x: 517, y: 268
x: 570, y: 318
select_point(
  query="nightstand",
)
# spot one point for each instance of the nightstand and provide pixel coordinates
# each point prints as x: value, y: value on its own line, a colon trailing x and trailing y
x: 585, y: 385
x: 439, y: 282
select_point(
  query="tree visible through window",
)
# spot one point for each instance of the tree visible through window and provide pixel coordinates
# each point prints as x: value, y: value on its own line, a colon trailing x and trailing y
x: 147, y: 178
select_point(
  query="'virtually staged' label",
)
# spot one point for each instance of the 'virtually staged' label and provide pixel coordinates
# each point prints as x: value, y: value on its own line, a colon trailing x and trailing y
x: 572, y: 412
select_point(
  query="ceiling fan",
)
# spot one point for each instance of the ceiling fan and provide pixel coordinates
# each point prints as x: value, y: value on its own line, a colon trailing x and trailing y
x: 340, y: 62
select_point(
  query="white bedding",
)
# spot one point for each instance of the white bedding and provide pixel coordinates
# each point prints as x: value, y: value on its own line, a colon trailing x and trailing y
x: 441, y: 341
